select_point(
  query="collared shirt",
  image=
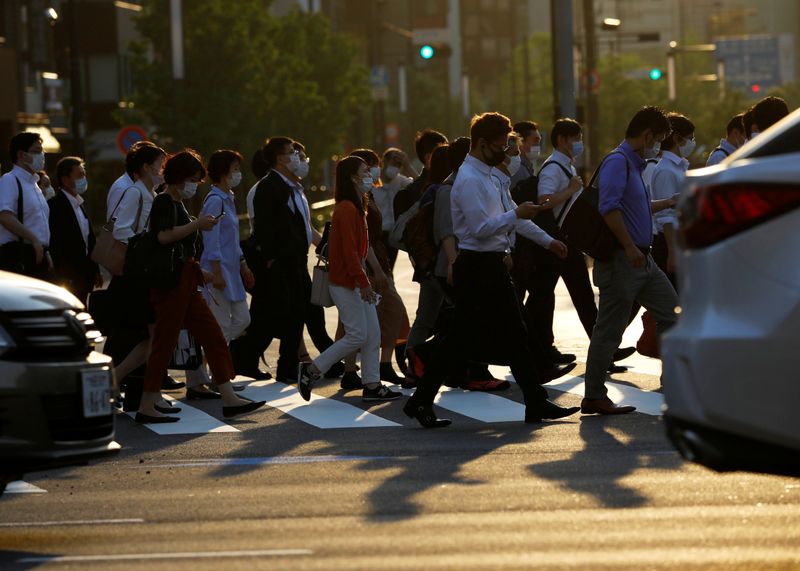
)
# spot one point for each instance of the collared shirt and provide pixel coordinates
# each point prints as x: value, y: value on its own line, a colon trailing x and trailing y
x: 384, y: 198
x: 298, y: 200
x: 251, y: 212
x: 483, y: 214
x: 126, y: 222
x: 717, y: 156
x: 115, y: 192
x: 647, y: 173
x: 622, y: 188
x: 667, y: 181
x: 221, y: 243
x: 526, y: 170
x: 80, y: 216
x: 35, y: 212
x: 554, y: 179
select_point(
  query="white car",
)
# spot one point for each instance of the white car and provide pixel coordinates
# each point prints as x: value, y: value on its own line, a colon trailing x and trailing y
x: 731, y: 378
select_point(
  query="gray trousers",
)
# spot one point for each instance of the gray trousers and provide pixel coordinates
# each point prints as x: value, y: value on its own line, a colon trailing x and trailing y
x: 620, y: 286
x: 431, y: 298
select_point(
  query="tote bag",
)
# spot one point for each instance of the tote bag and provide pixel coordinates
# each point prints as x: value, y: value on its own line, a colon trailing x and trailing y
x: 108, y: 251
x: 320, y: 285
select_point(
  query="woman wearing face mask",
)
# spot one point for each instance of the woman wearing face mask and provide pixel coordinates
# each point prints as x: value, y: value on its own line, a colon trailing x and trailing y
x: 183, y: 306
x: 667, y: 180
x: 350, y: 288
x: 71, y: 236
x: 222, y: 256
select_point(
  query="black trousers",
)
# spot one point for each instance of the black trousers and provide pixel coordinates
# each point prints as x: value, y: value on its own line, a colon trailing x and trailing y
x: 660, y: 254
x: 277, y: 311
x: 315, y: 323
x: 487, y: 326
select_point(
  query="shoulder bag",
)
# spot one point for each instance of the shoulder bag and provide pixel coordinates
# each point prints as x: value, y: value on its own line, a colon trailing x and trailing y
x: 108, y: 251
x: 154, y: 264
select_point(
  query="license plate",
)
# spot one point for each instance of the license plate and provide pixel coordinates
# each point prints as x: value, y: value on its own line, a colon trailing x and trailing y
x: 96, y: 392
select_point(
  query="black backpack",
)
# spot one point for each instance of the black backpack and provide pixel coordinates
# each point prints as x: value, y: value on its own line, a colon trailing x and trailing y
x: 528, y: 191
x: 418, y: 234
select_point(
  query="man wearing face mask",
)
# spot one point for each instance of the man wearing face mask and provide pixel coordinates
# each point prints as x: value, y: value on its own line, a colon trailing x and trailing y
x: 734, y: 138
x: 766, y: 113
x: 24, y: 214
x: 282, y: 234
x: 667, y: 180
x: 71, y: 233
x: 630, y: 275
x: 424, y: 145
x: 394, y: 162
x: 530, y: 149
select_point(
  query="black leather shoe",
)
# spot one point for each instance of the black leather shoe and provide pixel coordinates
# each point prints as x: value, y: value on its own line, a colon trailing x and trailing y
x: 556, y: 371
x: 170, y: 384
x: 236, y: 388
x: 231, y: 411
x: 255, y: 374
x: 623, y: 353
x: 425, y: 415
x: 142, y: 418
x: 193, y: 393
x: 547, y: 410
x: 613, y: 369
x: 167, y: 409
x: 560, y: 358
x: 336, y: 371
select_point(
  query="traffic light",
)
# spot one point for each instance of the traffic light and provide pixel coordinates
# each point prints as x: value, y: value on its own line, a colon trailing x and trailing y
x: 755, y: 88
x: 435, y: 51
x: 655, y: 74
x: 427, y: 52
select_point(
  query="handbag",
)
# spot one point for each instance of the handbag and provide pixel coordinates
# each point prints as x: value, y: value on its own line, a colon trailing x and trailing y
x: 188, y: 354
x: 152, y: 263
x: 320, y: 285
x: 108, y: 251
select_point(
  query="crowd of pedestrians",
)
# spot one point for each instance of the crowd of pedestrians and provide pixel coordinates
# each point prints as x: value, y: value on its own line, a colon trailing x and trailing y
x: 481, y: 224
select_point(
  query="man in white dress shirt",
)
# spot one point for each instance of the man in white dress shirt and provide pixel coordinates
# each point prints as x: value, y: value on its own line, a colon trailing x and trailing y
x: 487, y: 322
x: 735, y: 137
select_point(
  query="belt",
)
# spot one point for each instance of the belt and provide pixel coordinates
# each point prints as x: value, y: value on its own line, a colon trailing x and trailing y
x: 643, y: 249
x: 476, y: 253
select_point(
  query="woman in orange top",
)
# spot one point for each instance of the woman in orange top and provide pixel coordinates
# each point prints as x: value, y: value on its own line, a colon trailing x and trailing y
x: 350, y: 288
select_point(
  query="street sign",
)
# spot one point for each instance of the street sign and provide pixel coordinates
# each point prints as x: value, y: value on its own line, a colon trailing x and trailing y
x: 379, y: 76
x: 763, y: 60
x: 129, y: 135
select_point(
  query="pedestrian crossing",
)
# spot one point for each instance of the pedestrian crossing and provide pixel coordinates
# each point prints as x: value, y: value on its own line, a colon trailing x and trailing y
x: 329, y: 412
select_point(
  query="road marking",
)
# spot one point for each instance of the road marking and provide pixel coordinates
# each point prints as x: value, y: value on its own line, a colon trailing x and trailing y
x: 72, y: 522
x: 20, y: 487
x: 192, y: 421
x: 264, y: 461
x: 321, y: 412
x: 149, y: 556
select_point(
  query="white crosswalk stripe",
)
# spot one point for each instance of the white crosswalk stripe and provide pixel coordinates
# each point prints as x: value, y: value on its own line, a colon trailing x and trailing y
x: 22, y: 487
x: 192, y: 421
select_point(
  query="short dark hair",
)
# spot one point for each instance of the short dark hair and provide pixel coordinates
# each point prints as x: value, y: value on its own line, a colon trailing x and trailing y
x: 22, y: 142
x: 64, y: 168
x: 649, y: 117
x: 488, y: 126
x: 346, y: 169
x: 747, y: 122
x: 389, y: 152
x: 183, y: 166
x: 259, y: 165
x: 143, y: 155
x: 272, y: 148
x: 564, y: 127
x: 440, y: 165
x: 426, y: 141
x: 735, y: 124
x: 457, y: 151
x: 769, y: 111
x: 526, y: 128
x: 220, y: 163
x: 370, y: 157
x: 680, y: 126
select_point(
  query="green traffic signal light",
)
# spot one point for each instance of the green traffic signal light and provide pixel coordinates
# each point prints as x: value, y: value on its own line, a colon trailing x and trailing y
x: 655, y: 74
x: 426, y: 51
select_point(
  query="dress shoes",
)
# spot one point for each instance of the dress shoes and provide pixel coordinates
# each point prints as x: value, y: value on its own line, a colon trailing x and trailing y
x: 555, y: 372
x: 614, y: 369
x: 170, y: 384
x: 256, y: 374
x: 142, y: 418
x: 425, y: 415
x: 205, y: 393
x: 560, y: 358
x: 547, y: 410
x: 603, y: 406
x: 486, y: 385
x: 231, y: 411
x: 167, y: 409
x: 623, y: 353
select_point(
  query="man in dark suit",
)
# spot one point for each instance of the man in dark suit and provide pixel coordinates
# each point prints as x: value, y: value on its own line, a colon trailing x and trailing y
x: 282, y: 235
x: 71, y: 236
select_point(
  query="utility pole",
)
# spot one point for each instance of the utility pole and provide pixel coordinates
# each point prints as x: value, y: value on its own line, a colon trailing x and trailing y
x: 562, y: 41
x: 591, y: 73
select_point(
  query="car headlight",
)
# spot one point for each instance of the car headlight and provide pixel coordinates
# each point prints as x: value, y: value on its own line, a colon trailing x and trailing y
x: 6, y: 342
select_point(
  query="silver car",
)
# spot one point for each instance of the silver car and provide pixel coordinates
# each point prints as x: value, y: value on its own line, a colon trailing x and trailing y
x: 55, y: 391
x: 731, y: 380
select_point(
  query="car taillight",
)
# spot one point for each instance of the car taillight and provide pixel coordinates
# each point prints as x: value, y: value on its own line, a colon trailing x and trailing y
x: 714, y: 213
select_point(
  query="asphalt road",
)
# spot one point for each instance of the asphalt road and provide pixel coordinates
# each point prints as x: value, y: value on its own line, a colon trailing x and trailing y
x: 340, y: 485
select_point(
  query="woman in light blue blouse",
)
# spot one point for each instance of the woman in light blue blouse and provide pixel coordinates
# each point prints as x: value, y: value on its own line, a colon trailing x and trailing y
x: 222, y: 256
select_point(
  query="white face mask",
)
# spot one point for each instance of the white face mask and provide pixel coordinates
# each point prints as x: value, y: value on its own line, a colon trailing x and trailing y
x: 514, y: 165
x: 294, y: 163
x: 652, y: 152
x: 753, y: 135
x: 37, y: 161
x: 188, y: 189
x: 391, y: 172
x: 375, y: 172
x: 364, y: 185
x: 535, y: 151
x: 235, y: 179
x: 81, y: 185
x: 302, y: 170
x: 577, y: 149
x: 687, y: 148
x: 48, y: 192
x: 156, y: 176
